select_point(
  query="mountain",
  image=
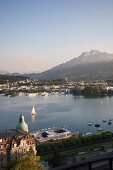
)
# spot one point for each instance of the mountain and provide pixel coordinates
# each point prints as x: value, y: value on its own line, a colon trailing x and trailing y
x: 91, y: 65
x: 3, y: 72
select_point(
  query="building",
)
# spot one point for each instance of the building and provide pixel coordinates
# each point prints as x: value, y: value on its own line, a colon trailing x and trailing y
x: 22, y: 124
x: 15, y: 143
x: 50, y: 134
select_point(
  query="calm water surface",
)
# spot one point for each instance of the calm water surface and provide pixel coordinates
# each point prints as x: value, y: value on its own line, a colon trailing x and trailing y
x: 61, y: 110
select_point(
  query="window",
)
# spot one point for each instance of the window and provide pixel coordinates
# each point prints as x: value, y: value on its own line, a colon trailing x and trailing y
x: 15, y: 145
x: 7, y: 146
x: 30, y: 142
x: 16, y: 152
x: 1, y: 146
x: 22, y: 143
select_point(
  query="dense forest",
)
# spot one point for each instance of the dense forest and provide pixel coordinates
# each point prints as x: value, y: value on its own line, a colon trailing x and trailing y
x: 92, y: 92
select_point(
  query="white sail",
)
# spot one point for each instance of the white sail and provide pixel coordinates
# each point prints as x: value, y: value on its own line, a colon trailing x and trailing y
x: 33, y: 112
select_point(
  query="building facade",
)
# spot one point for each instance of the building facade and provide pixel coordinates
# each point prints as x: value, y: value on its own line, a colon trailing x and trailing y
x: 15, y: 143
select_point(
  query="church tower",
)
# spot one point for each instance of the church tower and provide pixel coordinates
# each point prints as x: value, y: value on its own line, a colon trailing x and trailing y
x: 22, y: 124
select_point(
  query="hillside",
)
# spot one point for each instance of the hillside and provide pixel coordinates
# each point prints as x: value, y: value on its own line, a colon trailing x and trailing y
x: 91, y: 65
x: 10, y: 78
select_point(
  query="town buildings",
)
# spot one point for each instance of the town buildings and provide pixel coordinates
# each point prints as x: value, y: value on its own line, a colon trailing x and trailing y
x: 15, y: 143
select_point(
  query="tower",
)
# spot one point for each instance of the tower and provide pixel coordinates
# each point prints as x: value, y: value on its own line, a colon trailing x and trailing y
x: 22, y: 124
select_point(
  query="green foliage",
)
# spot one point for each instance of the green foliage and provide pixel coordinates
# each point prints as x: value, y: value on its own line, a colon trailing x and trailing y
x: 76, y: 91
x: 91, y: 91
x: 10, y: 78
x: 55, y: 160
x: 65, y: 144
x: 55, y: 151
x: 27, y: 162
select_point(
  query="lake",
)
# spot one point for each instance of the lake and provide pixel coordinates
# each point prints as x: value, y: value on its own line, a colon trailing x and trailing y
x: 58, y: 111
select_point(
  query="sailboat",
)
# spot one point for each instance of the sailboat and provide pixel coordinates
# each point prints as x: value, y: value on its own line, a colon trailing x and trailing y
x: 33, y: 112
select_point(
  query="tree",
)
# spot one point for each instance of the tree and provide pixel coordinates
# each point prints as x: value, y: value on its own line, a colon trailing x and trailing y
x: 56, y: 158
x: 27, y: 162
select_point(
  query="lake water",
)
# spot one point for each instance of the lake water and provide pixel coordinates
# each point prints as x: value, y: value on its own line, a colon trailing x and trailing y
x: 61, y: 110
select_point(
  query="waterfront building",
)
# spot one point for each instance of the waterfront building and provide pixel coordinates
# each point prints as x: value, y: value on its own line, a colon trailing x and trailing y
x: 15, y: 143
x: 52, y: 134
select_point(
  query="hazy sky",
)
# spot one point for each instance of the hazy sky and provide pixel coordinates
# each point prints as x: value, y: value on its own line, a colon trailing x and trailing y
x: 38, y: 34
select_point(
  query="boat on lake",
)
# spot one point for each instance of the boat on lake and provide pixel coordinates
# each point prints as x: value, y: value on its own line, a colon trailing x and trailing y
x: 110, y: 120
x: 90, y: 123
x: 109, y: 123
x: 104, y: 121
x: 101, y: 102
x: 97, y: 125
x: 33, y: 112
x: 99, y: 129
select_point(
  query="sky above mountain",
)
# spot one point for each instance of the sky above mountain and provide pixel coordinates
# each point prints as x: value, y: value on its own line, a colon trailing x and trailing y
x: 36, y: 35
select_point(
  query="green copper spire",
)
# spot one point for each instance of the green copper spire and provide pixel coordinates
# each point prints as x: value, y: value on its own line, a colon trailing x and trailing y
x: 22, y: 124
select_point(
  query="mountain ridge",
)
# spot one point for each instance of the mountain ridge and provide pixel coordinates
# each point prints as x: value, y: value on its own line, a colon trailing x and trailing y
x: 89, y: 65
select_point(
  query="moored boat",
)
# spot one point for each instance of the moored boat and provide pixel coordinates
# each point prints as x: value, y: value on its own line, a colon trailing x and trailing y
x: 99, y: 129
x: 89, y: 123
x: 109, y: 123
x: 97, y: 125
x: 110, y: 120
x: 104, y: 121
